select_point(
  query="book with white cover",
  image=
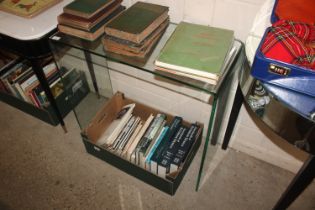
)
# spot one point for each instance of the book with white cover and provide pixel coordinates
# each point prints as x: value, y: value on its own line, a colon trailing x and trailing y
x: 130, y: 153
x: 113, y: 130
x: 132, y: 138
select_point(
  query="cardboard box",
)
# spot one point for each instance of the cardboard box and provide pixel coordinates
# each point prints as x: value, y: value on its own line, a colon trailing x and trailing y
x: 103, y: 119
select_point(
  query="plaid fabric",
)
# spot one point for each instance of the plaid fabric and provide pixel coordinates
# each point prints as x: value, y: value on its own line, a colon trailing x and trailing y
x: 291, y: 42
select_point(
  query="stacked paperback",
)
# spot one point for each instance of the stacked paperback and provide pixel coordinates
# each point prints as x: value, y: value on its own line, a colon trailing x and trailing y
x: 153, y: 143
x: 196, y: 52
x: 86, y: 19
x: 135, y: 32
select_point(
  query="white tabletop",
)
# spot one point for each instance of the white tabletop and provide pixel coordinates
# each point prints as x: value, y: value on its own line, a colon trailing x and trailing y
x: 31, y: 28
x: 261, y: 22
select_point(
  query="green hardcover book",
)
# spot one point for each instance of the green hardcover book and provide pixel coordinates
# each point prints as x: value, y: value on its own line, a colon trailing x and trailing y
x: 197, y: 50
x: 86, y: 8
x: 137, y: 22
x: 94, y: 32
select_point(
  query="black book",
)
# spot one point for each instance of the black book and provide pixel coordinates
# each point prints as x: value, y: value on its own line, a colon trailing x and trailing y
x: 175, y: 124
x: 164, y: 161
x: 184, y: 147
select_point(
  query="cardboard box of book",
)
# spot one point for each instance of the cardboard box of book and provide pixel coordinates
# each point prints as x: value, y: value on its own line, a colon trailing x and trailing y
x: 143, y: 132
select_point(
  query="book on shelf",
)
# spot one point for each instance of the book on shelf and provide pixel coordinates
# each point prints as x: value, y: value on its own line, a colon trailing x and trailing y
x: 87, y: 23
x: 94, y: 32
x: 131, y: 153
x: 196, y: 50
x: 173, y: 127
x: 113, y: 130
x: 86, y: 8
x: 184, y: 147
x: 6, y: 60
x: 137, y: 22
x: 128, y: 48
x: 148, y: 138
x: 164, y: 161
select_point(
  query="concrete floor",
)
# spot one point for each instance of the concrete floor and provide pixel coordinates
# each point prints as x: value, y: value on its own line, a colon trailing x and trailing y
x: 43, y: 168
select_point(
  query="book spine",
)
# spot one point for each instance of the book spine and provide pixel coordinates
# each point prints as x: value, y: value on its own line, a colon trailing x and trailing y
x: 132, y: 150
x: 123, y: 133
x: 184, y: 147
x: 176, y: 123
x: 145, y: 138
x: 147, y: 141
x: 165, y: 160
x: 129, y: 134
x: 156, y: 144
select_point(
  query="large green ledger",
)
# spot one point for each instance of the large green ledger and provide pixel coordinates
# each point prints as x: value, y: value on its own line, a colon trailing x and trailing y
x: 137, y: 18
x: 196, y: 48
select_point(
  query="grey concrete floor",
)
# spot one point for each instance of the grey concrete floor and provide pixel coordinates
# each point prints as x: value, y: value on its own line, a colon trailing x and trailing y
x: 43, y: 168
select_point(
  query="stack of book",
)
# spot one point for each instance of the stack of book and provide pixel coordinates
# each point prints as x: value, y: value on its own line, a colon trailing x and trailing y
x: 196, y: 52
x: 135, y: 32
x: 21, y: 82
x: 151, y: 143
x: 86, y: 19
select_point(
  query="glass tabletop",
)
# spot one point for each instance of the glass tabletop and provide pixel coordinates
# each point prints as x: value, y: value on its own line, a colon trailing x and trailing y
x: 147, y: 64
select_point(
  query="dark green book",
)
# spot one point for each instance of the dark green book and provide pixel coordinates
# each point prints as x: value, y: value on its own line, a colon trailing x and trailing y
x: 197, y: 50
x: 137, y: 22
x: 94, y: 32
x: 86, y: 8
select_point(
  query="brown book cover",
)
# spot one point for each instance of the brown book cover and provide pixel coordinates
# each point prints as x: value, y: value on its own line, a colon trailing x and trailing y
x: 137, y: 22
x: 87, y: 23
x: 86, y: 8
x: 141, y: 54
x: 113, y: 42
x: 95, y: 32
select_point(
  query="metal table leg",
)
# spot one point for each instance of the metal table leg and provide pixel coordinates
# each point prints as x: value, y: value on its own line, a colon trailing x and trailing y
x: 42, y: 79
x: 205, y: 148
x: 302, y: 179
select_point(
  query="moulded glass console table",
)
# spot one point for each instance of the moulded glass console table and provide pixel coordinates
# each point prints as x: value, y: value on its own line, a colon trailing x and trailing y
x: 94, y: 55
x: 28, y: 38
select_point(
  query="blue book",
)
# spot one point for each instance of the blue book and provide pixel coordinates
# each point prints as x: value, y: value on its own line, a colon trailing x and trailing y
x: 165, y: 160
x: 175, y: 124
x: 184, y: 147
x: 157, y: 143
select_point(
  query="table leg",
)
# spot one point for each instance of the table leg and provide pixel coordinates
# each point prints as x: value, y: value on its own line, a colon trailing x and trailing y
x: 238, y: 101
x: 302, y: 179
x: 43, y: 81
x: 205, y: 148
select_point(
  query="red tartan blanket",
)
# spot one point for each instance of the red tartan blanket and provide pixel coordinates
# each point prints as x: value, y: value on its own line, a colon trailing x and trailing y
x: 291, y: 42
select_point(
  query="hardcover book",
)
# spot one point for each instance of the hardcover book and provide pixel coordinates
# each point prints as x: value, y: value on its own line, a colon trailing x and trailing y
x: 26, y: 8
x: 128, y: 48
x: 86, y: 8
x: 184, y: 147
x: 165, y: 160
x: 87, y: 24
x: 137, y: 22
x: 174, y: 126
x: 197, y: 50
x: 94, y: 32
